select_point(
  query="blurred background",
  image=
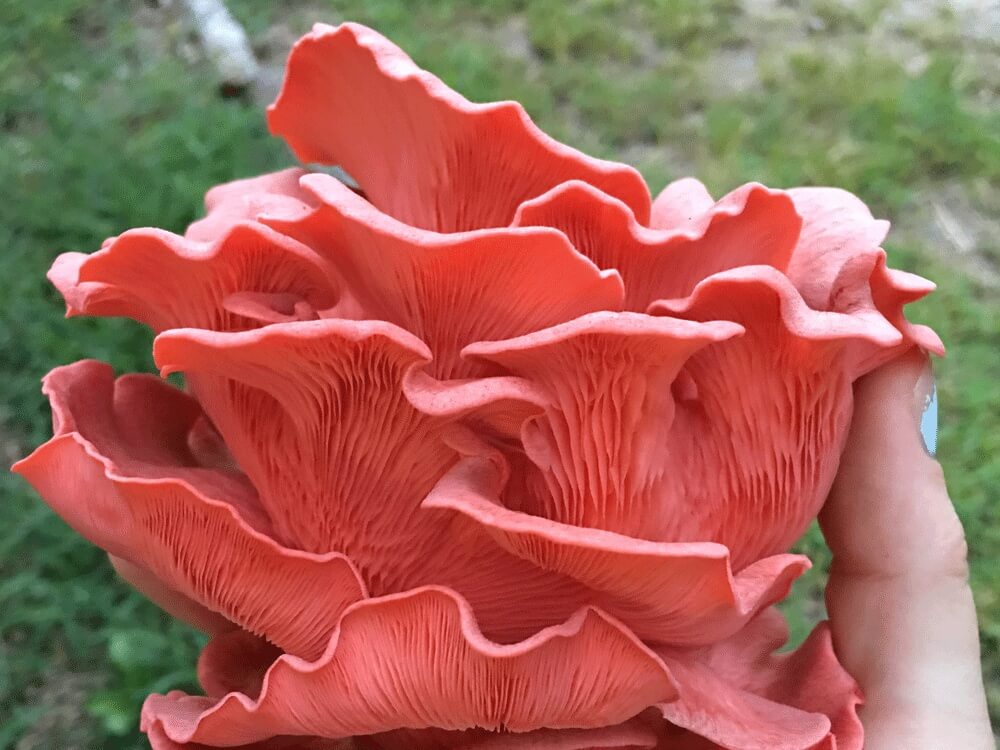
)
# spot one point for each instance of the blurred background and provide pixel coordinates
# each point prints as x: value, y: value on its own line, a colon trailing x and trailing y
x: 114, y: 114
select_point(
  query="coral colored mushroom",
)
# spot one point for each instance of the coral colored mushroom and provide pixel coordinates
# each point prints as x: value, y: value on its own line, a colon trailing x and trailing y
x: 494, y: 453
x: 417, y: 660
x: 420, y: 151
x: 448, y: 289
x: 201, y: 531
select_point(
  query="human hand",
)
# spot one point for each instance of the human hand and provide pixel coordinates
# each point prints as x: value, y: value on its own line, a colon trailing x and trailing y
x: 901, y: 610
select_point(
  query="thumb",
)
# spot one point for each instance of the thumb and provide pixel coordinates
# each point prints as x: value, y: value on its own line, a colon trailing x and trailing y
x: 901, y: 610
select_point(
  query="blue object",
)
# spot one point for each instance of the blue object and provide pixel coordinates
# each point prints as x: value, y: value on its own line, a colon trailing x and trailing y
x: 929, y: 423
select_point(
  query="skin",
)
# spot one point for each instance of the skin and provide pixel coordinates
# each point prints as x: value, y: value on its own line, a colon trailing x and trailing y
x: 901, y: 609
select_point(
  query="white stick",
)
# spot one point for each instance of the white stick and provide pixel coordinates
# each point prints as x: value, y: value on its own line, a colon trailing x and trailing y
x: 224, y: 40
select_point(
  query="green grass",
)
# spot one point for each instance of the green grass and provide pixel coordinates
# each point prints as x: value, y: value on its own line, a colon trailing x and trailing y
x: 103, y: 128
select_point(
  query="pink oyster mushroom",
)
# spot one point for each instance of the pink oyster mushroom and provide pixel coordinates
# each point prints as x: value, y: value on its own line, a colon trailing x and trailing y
x: 496, y: 454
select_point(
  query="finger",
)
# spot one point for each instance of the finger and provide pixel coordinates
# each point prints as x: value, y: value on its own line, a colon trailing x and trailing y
x: 901, y: 609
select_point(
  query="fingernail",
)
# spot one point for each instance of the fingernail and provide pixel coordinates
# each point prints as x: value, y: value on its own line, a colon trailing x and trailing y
x: 925, y: 394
